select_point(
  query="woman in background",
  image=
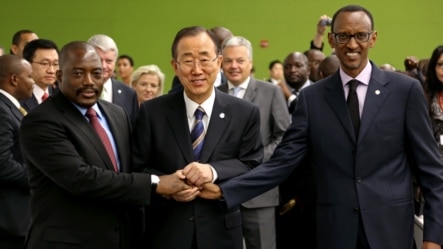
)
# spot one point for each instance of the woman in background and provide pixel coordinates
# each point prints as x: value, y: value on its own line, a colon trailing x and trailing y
x: 148, y: 82
x: 125, y: 66
x: 434, y: 93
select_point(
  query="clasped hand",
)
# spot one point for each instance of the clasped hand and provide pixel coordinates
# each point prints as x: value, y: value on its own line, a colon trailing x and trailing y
x: 187, y: 184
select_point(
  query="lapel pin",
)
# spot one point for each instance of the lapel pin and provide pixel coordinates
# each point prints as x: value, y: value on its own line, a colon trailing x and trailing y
x: 222, y: 115
x: 119, y: 91
x: 377, y: 92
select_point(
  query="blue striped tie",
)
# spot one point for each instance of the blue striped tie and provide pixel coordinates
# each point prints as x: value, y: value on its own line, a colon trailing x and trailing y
x: 198, y: 133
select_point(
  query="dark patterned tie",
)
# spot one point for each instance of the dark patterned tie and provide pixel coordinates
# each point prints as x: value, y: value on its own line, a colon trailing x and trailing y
x: 353, y: 105
x: 198, y: 133
x: 93, y: 119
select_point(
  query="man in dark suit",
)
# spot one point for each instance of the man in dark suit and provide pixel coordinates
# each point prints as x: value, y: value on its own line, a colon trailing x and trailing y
x: 43, y: 56
x: 221, y: 143
x: 258, y: 214
x: 222, y: 34
x: 15, y: 84
x: 114, y: 91
x: 77, y: 152
x: 364, y: 167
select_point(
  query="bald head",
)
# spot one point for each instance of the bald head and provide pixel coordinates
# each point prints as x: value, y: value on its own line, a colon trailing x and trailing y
x: 222, y: 34
x: 16, y: 76
x: 75, y: 49
x: 328, y: 66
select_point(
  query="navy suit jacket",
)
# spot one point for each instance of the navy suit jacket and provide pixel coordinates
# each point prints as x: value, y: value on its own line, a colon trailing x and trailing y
x: 14, y: 189
x: 162, y: 145
x: 125, y: 97
x: 32, y: 102
x: 371, y: 177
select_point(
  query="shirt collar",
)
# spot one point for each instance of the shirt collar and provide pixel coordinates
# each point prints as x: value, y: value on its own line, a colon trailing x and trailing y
x: 207, y: 105
x: 243, y: 85
x: 11, y: 98
x: 364, y: 76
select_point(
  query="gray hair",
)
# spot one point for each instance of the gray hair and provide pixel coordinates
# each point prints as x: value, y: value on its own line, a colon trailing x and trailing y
x: 104, y: 43
x: 238, y: 41
x: 149, y: 69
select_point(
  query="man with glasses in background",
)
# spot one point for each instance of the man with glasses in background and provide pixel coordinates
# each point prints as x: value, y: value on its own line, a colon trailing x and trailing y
x: 366, y: 133
x: 210, y: 135
x: 43, y: 56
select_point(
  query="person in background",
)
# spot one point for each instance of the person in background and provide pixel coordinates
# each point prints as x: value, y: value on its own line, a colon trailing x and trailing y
x: 43, y: 56
x: 209, y: 135
x: 434, y: 92
x: 258, y: 214
x: 315, y: 57
x: 114, y: 91
x: 275, y: 72
x: 2, y: 50
x: 125, y: 67
x: 77, y: 151
x: 365, y: 150
x: 323, y: 22
x: 15, y: 84
x: 388, y: 67
x: 148, y: 82
x: 20, y: 39
x: 328, y: 66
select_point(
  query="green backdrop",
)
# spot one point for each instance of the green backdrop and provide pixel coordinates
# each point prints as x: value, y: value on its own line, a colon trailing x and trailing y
x: 145, y: 29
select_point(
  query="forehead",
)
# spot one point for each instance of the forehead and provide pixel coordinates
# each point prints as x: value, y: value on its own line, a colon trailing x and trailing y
x: 357, y: 20
x: 46, y: 53
x: 27, y: 37
x: 295, y: 58
x: 194, y: 45
x: 110, y: 54
x: 83, y: 58
x: 236, y: 50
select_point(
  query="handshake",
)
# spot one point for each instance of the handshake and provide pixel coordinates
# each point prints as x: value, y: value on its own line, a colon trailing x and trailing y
x: 195, y: 180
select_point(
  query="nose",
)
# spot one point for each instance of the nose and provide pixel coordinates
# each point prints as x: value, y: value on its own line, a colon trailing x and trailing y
x: 352, y: 43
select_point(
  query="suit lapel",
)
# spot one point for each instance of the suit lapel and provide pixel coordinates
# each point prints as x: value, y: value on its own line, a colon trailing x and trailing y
x: 375, y: 96
x: 251, y: 91
x: 335, y: 97
x: 220, y: 117
x: 178, y: 122
x: 17, y: 114
x: 79, y: 121
x: 223, y: 88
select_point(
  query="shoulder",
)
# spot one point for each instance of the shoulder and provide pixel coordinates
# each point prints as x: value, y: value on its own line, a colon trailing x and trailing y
x: 122, y: 86
x: 266, y: 85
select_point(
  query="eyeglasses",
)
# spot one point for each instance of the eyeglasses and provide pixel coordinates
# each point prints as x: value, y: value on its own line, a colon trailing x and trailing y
x: 190, y: 63
x: 47, y: 64
x: 358, y: 37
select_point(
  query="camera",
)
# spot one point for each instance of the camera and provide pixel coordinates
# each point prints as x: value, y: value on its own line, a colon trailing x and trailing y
x: 326, y: 22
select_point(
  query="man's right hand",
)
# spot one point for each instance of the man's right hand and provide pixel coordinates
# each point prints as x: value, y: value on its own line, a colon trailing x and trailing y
x: 210, y: 191
x: 171, y: 184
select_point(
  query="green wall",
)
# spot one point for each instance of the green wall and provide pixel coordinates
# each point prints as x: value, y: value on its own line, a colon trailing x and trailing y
x: 145, y: 29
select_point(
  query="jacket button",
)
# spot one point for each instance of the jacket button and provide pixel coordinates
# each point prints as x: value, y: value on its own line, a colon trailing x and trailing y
x: 192, y: 218
x: 359, y: 179
x: 356, y: 210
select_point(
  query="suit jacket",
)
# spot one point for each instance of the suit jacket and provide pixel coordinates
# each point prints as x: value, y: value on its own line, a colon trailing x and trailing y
x: 274, y: 120
x: 32, y: 102
x: 14, y: 189
x: 162, y: 144
x: 125, y: 97
x: 371, y: 177
x: 178, y: 87
x: 76, y: 197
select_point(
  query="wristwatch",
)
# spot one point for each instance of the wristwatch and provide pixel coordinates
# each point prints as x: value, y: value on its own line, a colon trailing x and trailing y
x: 154, y: 182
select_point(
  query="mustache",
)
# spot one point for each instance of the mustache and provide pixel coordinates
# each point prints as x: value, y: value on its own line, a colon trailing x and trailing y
x: 95, y: 89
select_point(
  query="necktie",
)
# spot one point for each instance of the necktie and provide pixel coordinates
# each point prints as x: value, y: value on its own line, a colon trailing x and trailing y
x: 23, y: 111
x: 93, y: 119
x: 235, y: 90
x: 198, y: 133
x: 352, y: 102
x: 45, y: 96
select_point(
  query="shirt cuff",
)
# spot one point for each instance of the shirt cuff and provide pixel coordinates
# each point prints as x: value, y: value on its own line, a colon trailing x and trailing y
x: 214, y: 174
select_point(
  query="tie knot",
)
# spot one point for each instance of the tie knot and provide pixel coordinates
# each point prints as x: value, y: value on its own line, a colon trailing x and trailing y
x: 199, y: 112
x: 353, y: 84
x: 90, y: 113
x: 45, y: 96
x: 235, y: 90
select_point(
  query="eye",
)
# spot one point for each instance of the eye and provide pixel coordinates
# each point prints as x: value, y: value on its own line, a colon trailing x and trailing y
x: 44, y: 63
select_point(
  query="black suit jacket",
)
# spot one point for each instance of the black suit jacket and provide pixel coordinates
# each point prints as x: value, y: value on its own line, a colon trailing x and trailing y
x: 14, y: 189
x: 76, y: 197
x: 125, y: 97
x: 232, y: 146
x: 370, y: 177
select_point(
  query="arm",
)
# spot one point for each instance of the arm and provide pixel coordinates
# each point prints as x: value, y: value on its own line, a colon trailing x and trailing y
x: 317, y: 42
x: 12, y: 172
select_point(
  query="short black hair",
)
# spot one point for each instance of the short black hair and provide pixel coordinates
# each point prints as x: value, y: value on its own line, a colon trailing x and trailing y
x: 32, y: 46
x: 17, y: 37
x: 272, y: 63
x: 193, y: 31
x: 129, y: 58
x: 352, y: 8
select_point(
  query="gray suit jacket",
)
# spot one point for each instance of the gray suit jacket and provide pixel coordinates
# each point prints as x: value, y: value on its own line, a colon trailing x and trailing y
x: 274, y: 119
